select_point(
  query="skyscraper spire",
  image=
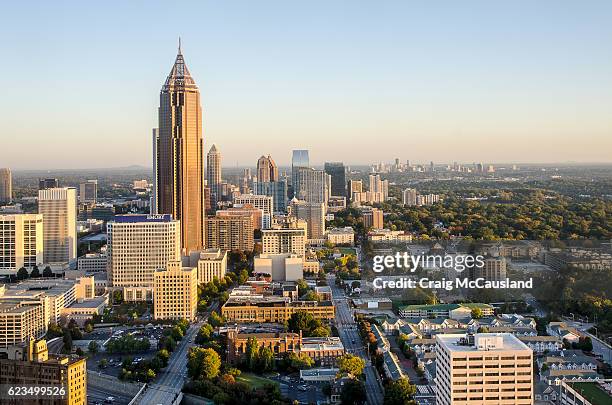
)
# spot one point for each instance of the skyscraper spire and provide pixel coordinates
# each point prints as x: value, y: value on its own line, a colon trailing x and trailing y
x: 179, y: 50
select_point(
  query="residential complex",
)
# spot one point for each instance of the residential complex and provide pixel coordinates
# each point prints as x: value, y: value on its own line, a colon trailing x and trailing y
x: 263, y: 202
x: 372, y: 218
x: 313, y: 214
x: 234, y: 232
x: 21, y: 242
x: 284, y: 240
x: 176, y: 292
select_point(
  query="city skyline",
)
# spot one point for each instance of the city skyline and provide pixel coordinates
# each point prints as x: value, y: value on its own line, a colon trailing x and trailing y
x: 427, y: 82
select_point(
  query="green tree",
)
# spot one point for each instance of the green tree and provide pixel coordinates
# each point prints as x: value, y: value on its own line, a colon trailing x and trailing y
x: 22, y: 274
x: 351, y: 365
x: 67, y: 340
x: 103, y: 363
x: 353, y: 392
x: 47, y: 272
x: 164, y: 356
x: 311, y: 296
x: 266, y: 359
x: 54, y: 330
x: 399, y: 392
x: 476, y: 313
x: 203, y: 363
x: 252, y: 353
x: 302, y: 286
x: 35, y: 272
x: 299, y: 361
x: 93, y: 347
x: 204, y: 334
x: 215, y: 319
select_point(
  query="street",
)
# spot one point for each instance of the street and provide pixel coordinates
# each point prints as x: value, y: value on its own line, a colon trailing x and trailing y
x: 170, y: 380
x: 347, y: 328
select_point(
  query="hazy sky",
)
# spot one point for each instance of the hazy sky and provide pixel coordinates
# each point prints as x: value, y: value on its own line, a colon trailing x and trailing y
x: 357, y: 81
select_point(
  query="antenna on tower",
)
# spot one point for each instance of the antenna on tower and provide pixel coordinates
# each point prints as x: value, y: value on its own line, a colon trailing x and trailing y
x: 179, y: 49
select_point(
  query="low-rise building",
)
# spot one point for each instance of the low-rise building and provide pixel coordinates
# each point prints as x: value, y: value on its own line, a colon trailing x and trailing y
x: 210, y: 263
x: 387, y: 235
x: 453, y: 311
x: 272, y: 309
x: 281, y: 266
x: 586, y: 393
x: 93, y: 262
x: 563, y: 331
x: 541, y: 344
x: 341, y: 236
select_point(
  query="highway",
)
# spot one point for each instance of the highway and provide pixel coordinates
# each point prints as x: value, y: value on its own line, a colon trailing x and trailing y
x: 349, y: 334
x: 170, y: 380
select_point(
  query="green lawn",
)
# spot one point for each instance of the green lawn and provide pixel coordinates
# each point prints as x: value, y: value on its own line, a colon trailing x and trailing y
x: 347, y: 250
x: 254, y: 381
x: 592, y: 392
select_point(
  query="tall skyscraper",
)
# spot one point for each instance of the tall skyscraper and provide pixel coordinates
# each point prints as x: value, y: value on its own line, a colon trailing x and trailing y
x: 44, y: 184
x: 58, y: 207
x: 313, y: 214
x: 299, y: 159
x: 338, y: 178
x: 267, y: 171
x: 6, y: 185
x: 21, y: 242
x: 138, y: 245
x: 88, y: 191
x: 213, y: 174
x: 180, y: 170
x: 313, y: 185
x: 154, y: 189
x: 485, y: 368
x: 275, y: 189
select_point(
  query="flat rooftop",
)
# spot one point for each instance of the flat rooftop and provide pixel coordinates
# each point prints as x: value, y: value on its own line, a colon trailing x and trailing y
x: 497, y: 342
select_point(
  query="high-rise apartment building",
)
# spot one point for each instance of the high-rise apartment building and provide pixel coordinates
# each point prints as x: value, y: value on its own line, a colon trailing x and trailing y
x: 213, y: 174
x: 58, y: 207
x: 485, y: 368
x: 233, y: 232
x: 179, y: 165
x: 354, y: 186
x: 284, y: 240
x: 409, y: 197
x: 247, y: 210
x: 313, y: 214
x: 338, y: 178
x: 138, y: 245
x: 6, y: 185
x: 88, y: 192
x: 379, y: 188
x: 175, y: 294
x: 275, y: 189
x: 210, y: 263
x: 373, y: 218
x: 263, y: 202
x: 44, y: 184
x: 494, y: 269
x: 267, y: 171
x: 31, y: 365
x: 313, y: 185
x: 21, y: 242
x: 299, y: 159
